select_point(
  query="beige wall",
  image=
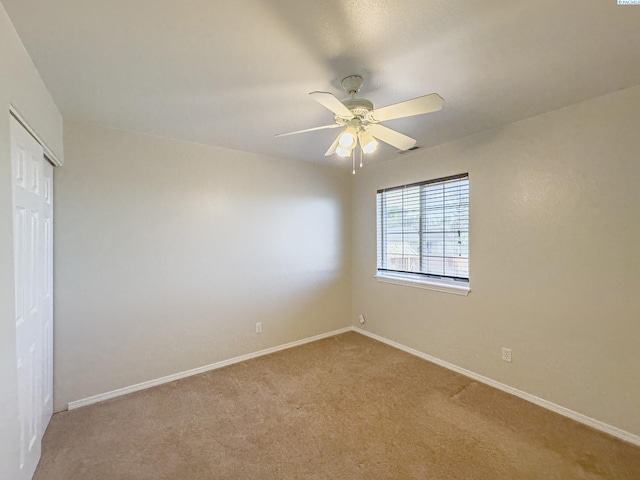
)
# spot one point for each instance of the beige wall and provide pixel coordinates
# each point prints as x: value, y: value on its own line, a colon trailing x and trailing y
x: 168, y: 253
x: 20, y: 86
x: 555, y: 226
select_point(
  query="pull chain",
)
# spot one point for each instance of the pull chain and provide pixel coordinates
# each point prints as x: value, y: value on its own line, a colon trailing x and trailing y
x: 353, y: 160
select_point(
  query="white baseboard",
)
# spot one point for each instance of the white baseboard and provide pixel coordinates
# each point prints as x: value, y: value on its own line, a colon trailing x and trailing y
x: 195, y: 371
x: 597, y: 424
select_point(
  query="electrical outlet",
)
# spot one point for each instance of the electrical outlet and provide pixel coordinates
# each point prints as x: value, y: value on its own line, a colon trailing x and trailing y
x: 259, y: 327
x: 506, y: 354
x: 361, y: 318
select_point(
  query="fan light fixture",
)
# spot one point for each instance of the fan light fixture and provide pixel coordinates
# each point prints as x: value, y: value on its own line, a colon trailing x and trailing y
x: 347, y: 140
x: 343, y: 152
x: 367, y: 142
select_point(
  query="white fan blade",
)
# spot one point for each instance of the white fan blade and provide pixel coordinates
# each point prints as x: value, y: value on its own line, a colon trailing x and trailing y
x: 328, y: 100
x: 391, y: 137
x: 417, y: 106
x: 334, y: 145
x: 335, y: 125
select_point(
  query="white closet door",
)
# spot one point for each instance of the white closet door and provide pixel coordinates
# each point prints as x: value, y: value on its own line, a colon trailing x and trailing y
x: 32, y: 231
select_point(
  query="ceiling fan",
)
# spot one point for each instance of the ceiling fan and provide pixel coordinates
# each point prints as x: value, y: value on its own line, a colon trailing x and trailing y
x: 361, y: 122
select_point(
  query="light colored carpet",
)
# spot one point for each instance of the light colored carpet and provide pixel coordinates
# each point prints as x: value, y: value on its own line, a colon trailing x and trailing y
x: 346, y: 407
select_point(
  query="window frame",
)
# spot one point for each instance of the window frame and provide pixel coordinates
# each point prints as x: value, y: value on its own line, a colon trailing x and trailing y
x: 446, y: 284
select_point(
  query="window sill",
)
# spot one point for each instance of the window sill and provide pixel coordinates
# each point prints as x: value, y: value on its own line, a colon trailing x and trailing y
x: 428, y: 284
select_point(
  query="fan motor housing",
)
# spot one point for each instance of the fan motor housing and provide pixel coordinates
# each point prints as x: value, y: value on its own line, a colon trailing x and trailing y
x: 360, y: 107
x: 358, y: 104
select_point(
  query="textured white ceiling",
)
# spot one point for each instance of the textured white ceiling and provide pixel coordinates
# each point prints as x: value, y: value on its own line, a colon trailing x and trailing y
x: 234, y: 73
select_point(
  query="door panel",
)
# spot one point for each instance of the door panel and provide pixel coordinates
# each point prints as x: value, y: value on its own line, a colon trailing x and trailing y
x: 46, y: 209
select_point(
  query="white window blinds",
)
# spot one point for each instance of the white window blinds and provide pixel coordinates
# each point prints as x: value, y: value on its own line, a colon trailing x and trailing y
x: 423, y: 228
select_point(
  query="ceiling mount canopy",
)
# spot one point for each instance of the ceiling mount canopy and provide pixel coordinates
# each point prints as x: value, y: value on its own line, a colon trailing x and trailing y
x: 352, y: 84
x: 360, y: 122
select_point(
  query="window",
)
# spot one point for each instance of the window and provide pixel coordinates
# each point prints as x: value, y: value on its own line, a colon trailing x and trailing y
x: 423, y: 234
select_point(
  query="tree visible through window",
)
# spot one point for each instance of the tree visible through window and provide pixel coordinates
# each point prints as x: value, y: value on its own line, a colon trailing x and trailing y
x: 423, y: 229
